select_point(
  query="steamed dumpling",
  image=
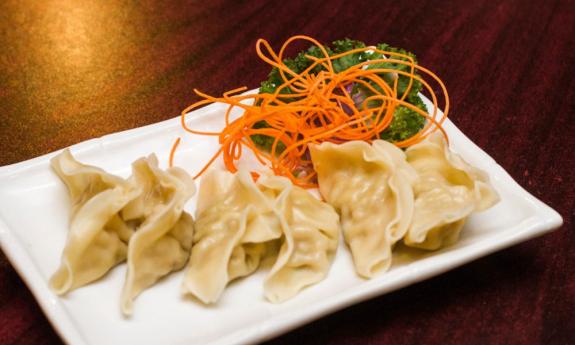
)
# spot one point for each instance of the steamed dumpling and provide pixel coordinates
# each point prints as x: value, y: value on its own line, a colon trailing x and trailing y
x: 310, y: 238
x: 447, y: 191
x: 371, y: 187
x: 235, y: 222
x: 163, y: 240
x: 98, y: 237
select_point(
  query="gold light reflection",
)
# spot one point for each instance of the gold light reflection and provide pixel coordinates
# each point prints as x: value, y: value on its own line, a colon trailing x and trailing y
x: 75, y: 51
x: 75, y: 70
x: 87, y: 37
x: 71, y: 33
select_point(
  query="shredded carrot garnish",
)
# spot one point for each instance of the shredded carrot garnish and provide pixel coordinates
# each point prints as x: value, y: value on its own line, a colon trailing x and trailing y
x: 318, y: 109
x: 173, y: 151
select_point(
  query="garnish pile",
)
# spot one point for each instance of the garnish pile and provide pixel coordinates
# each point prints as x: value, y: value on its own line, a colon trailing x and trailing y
x: 345, y: 92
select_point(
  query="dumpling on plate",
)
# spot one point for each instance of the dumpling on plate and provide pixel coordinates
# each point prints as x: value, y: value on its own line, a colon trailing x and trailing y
x: 97, y: 238
x: 447, y: 191
x: 164, y: 237
x: 371, y: 187
x: 234, y: 224
x: 310, y: 238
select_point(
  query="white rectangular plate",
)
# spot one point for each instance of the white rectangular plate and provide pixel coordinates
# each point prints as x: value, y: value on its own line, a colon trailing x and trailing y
x: 33, y: 225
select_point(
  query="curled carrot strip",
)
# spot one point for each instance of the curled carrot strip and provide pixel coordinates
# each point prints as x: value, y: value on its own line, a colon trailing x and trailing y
x: 173, y: 151
x: 318, y: 108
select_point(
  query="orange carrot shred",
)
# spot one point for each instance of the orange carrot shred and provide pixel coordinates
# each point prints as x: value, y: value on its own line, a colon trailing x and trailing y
x: 173, y: 151
x: 318, y: 108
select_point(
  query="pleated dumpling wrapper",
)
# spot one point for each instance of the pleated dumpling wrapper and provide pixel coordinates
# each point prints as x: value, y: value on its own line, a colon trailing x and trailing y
x: 447, y: 191
x: 164, y: 237
x: 310, y: 238
x: 371, y: 187
x: 97, y: 238
x: 235, y: 223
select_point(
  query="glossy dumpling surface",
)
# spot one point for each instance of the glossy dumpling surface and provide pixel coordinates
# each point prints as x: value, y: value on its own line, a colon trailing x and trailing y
x: 164, y: 237
x: 310, y: 238
x: 235, y: 223
x: 371, y: 187
x: 447, y: 191
x: 97, y: 238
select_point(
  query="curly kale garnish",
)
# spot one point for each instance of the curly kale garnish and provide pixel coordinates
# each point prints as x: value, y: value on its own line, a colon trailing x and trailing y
x: 347, y: 61
x: 298, y: 64
x: 266, y: 142
x: 403, y: 81
x: 406, y: 122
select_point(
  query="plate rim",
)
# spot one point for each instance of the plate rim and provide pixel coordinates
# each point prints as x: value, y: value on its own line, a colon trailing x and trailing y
x: 544, y: 220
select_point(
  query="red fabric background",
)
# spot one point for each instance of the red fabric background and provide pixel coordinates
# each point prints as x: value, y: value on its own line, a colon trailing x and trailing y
x: 70, y: 72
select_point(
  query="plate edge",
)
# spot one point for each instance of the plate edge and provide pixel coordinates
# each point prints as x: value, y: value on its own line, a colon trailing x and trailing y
x: 56, y: 313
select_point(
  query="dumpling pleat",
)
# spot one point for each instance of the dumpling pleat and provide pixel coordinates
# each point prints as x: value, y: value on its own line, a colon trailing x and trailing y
x: 162, y: 242
x: 447, y: 191
x: 98, y: 237
x: 310, y: 238
x: 370, y: 186
x: 234, y: 223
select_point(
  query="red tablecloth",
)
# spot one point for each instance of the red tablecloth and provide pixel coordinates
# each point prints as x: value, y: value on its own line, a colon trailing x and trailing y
x: 71, y: 71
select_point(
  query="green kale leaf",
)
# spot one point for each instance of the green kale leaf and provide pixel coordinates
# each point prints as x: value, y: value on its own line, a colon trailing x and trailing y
x: 403, y: 81
x: 266, y: 142
x: 406, y: 122
x: 348, y: 61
